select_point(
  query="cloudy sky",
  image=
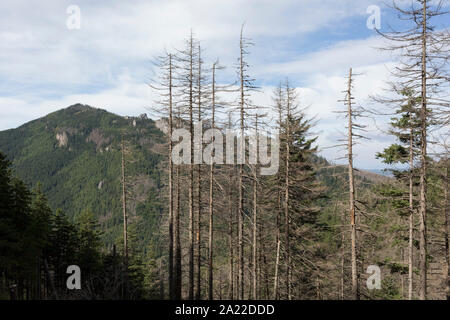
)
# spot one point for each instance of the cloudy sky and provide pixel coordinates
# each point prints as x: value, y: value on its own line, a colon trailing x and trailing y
x: 45, y: 66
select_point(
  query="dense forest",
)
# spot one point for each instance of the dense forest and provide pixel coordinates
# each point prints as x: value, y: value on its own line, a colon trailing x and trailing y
x: 85, y: 187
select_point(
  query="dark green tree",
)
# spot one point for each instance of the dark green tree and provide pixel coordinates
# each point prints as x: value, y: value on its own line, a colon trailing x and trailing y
x: 405, y: 126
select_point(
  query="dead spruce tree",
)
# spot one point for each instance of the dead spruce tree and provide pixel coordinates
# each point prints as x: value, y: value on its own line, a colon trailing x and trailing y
x: 352, y: 114
x: 255, y: 215
x: 187, y: 63
x: 211, y: 188
x: 258, y: 122
x: 278, y: 108
x: 177, y: 218
x: 201, y: 96
x: 230, y: 187
x: 214, y: 157
x: 164, y: 86
x: 424, y: 55
x: 286, y: 189
x: 244, y: 105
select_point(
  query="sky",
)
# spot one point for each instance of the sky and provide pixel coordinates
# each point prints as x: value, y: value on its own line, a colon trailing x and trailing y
x: 46, y: 65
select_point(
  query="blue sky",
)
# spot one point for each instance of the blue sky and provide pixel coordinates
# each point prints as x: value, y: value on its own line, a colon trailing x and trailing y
x: 44, y: 66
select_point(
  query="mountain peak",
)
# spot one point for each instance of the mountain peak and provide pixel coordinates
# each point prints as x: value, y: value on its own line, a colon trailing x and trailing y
x: 80, y: 107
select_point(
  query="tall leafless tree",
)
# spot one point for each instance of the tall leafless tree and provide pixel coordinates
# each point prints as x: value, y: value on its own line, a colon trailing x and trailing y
x: 164, y: 85
x: 187, y: 60
x: 245, y: 87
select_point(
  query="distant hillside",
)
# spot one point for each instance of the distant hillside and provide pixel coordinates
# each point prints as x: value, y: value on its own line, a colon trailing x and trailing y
x: 335, y: 175
x: 75, y: 153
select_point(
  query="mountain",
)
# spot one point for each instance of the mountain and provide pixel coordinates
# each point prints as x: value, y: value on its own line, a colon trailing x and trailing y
x: 75, y: 153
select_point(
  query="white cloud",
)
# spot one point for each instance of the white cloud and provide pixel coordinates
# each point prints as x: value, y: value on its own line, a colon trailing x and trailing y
x: 332, y: 60
x: 37, y: 47
x: 45, y: 67
x: 126, y: 99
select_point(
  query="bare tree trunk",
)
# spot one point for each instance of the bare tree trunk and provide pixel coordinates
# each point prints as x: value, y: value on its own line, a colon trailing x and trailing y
x: 423, y: 163
x: 177, y: 246
x: 231, y: 291
x: 177, y: 217
x: 355, y: 286
x: 255, y: 220
x: 255, y: 251
x: 171, y: 245
x: 211, y: 195
x: 241, y: 174
x: 230, y: 241
x: 278, y: 239
x: 411, y: 217
x: 279, y: 202
x: 199, y: 185
x: 263, y: 276
x: 191, y: 175
x: 286, y: 198
x: 275, y: 279
x: 211, y: 216
x: 178, y: 272
x: 447, y: 230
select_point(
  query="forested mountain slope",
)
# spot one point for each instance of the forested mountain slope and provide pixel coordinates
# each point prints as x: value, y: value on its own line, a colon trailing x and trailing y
x: 76, y: 154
